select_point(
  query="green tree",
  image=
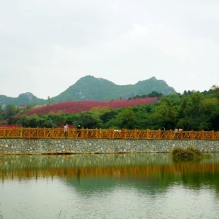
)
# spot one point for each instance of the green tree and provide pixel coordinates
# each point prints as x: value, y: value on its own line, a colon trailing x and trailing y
x: 165, y: 115
x: 216, y: 91
x: 1, y: 112
x: 126, y: 118
x: 73, y: 119
x: 88, y: 120
x: 57, y: 119
x: 10, y: 111
x: 33, y: 121
x: 23, y: 121
x: 183, y: 106
x: 196, y: 105
x: 142, y: 116
x: 107, y: 116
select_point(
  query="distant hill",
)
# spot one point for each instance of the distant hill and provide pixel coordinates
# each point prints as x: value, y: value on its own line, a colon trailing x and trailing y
x: 91, y: 88
x: 23, y: 99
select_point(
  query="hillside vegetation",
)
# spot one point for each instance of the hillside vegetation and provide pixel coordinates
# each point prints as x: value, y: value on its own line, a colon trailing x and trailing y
x: 188, y: 111
x: 82, y: 106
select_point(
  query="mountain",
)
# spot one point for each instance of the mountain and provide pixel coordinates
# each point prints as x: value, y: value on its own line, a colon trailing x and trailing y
x: 91, y: 88
x: 23, y: 99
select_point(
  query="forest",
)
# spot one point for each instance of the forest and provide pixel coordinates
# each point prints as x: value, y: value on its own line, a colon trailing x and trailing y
x: 191, y: 110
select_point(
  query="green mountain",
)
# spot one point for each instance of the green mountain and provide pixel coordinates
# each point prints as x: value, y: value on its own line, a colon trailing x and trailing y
x: 23, y: 99
x: 91, y: 88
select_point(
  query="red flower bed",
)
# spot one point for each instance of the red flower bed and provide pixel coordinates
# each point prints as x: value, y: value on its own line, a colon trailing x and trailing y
x: 81, y: 106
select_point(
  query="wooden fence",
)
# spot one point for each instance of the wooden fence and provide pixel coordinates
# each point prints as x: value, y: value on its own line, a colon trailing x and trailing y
x: 58, y: 133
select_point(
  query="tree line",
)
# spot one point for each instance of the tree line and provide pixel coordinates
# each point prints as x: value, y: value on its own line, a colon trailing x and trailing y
x: 188, y: 111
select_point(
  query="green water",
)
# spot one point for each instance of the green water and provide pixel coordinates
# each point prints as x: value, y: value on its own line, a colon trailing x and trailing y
x: 108, y: 186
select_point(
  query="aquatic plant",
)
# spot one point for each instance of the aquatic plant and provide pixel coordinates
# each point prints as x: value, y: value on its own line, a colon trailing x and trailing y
x: 187, y: 154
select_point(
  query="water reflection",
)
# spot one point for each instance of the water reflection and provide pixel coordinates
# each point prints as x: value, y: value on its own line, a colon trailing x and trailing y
x: 152, y: 168
x: 108, y: 186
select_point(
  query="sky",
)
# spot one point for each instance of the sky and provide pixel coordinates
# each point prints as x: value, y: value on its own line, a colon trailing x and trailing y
x: 48, y: 45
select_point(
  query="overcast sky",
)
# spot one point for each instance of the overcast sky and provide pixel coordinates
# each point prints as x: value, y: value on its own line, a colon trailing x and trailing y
x: 47, y: 45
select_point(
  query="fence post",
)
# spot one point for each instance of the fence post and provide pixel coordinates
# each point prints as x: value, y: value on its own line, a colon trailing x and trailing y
x: 170, y: 134
x: 147, y: 133
x: 28, y: 133
x: 192, y: 134
x: 44, y: 132
x: 52, y: 133
x: 60, y: 133
x: 21, y: 132
x: 161, y: 133
x: 108, y: 133
x: 123, y: 133
x: 12, y: 132
x: 135, y: 133
x: 181, y: 134
x: 4, y: 132
x: 37, y: 132
x: 96, y: 133
x: 212, y: 135
x: 82, y: 133
x: 112, y: 134
x: 100, y: 133
x: 202, y: 134
x: 86, y: 135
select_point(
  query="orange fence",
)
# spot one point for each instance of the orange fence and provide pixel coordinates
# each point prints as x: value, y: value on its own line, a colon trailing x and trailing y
x: 58, y: 133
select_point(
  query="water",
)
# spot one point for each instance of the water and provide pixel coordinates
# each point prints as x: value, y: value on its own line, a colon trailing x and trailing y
x: 108, y: 186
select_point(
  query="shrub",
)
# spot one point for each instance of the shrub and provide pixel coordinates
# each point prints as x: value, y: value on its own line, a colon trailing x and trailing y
x: 195, y: 151
x: 190, y: 153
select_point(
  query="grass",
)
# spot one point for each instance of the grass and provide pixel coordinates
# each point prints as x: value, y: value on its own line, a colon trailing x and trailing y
x: 188, y: 154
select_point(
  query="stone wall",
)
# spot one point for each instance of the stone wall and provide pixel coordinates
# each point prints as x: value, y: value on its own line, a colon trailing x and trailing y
x: 101, y: 146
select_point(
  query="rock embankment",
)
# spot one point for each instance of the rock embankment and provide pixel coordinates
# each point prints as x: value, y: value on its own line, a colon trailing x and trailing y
x: 100, y: 146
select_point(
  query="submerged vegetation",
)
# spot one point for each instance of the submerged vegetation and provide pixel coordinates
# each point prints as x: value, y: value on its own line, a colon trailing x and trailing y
x: 187, y: 154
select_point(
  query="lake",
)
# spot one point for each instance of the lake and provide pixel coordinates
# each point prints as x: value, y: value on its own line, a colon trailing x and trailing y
x: 108, y: 186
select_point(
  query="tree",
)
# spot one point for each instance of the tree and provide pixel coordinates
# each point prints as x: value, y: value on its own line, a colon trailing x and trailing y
x: 216, y: 91
x: 57, y: 119
x: 184, y: 123
x: 165, y: 115
x: 24, y: 121
x: 73, y: 119
x: 33, y: 121
x: 1, y: 112
x: 183, y: 106
x: 126, y: 118
x: 10, y: 111
x: 107, y: 116
x: 196, y: 104
x: 89, y: 121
